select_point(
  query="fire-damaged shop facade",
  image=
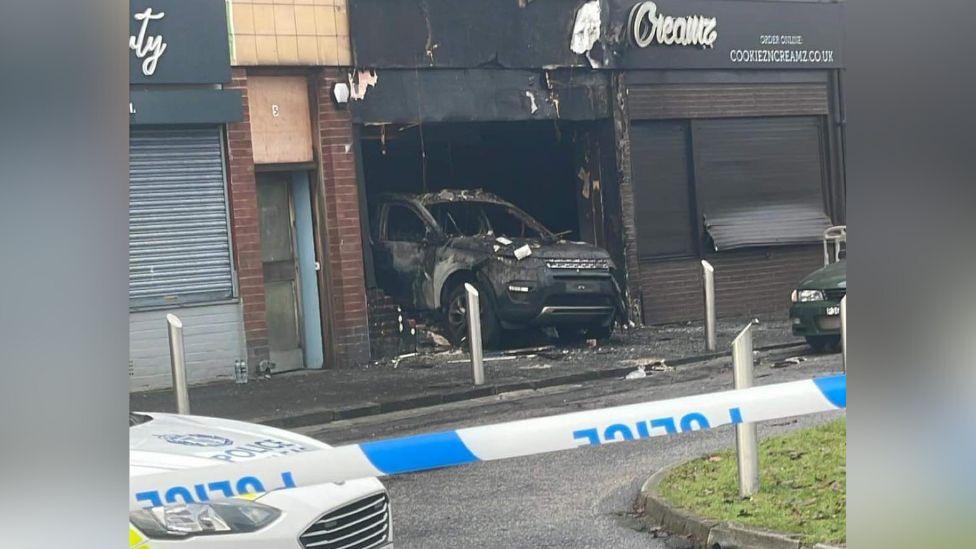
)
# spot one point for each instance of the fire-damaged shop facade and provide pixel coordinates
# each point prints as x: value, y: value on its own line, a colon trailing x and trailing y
x: 665, y: 132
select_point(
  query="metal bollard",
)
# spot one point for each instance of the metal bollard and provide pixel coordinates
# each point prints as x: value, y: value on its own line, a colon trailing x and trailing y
x: 178, y: 362
x: 746, y: 447
x: 843, y: 331
x: 474, y: 334
x: 708, y: 285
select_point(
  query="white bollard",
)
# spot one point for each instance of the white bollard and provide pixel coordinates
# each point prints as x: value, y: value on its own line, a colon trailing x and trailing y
x: 474, y: 334
x: 746, y: 446
x: 708, y: 287
x: 843, y: 331
x: 177, y: 359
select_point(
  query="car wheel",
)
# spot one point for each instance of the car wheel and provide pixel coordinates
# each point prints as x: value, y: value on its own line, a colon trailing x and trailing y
x: 823, y: 343
x: 456, y: 316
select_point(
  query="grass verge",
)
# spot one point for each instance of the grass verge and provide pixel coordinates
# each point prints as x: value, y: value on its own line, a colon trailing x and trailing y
x: 803, y: 485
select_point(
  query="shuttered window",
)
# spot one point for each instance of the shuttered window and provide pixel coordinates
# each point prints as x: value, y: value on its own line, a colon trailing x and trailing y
x: 663, y: 208
x: 759, y: 181
x: 179, y: 243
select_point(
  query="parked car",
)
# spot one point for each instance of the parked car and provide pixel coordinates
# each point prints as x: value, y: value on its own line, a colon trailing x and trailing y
x: 350, y: 514
x: 426, y: 247
x: 815, y: 313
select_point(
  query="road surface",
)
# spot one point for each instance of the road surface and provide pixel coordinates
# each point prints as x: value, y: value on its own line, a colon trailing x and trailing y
x: 577, y: 498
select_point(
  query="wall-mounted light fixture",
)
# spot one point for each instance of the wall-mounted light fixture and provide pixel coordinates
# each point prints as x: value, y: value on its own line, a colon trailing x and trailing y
x: 340, y: 93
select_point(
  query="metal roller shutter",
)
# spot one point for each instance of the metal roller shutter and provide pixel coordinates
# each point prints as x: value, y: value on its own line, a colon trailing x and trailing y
x: 663, y: 208
x: 759, y: 181
x: 179, y: 243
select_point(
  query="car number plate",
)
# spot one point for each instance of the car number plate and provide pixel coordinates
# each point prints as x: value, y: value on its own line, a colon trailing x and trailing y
x: 833, y: 311
x: 581, y: 287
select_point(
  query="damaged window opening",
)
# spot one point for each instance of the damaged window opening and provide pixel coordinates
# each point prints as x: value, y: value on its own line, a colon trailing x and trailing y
x: 485, y: 218
x: 403, y: 225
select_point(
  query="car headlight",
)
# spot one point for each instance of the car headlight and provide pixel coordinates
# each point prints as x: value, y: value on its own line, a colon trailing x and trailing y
x: 203, y: 519
x: 803, y: 296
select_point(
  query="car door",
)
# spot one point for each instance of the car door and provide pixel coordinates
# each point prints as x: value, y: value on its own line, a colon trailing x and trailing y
x: 400, y: 253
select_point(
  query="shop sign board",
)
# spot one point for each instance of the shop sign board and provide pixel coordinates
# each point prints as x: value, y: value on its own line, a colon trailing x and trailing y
x: 719, y: 34
x: 178, y: 42
x: 630, y: 34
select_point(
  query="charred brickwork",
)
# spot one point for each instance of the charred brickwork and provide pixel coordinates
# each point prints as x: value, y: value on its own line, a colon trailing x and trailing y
x: 385, y: 325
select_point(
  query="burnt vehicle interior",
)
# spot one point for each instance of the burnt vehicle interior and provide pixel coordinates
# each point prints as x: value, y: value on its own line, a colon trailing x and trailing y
x: 542, y: 167
x: 485, y: 218
x: 529, y: 164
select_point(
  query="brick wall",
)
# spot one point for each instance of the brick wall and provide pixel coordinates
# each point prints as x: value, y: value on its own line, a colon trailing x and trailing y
x: 340, y: 193
x: 385, y: 325
x: 751, y: 281
x: 245, y: 228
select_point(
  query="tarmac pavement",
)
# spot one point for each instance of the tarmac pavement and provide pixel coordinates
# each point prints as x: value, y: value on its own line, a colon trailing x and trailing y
x: 309, y: 397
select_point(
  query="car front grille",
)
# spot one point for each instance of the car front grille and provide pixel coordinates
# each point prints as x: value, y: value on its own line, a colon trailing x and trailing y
x: 835, y: 294
x: 580, y: 264
x: 363, y: 524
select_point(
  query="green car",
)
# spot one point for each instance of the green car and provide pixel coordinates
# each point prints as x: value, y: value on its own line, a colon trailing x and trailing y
x: 815, y: 313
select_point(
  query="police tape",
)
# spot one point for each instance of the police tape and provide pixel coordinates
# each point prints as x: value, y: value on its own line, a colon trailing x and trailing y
x: 490, y: 442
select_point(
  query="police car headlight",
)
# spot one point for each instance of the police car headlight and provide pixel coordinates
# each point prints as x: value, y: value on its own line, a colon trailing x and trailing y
x: 203, y: 519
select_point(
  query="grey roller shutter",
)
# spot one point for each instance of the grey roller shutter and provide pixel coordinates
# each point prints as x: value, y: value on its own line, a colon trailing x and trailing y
x: 662, y: 196
x: 179, y: 243
x: 759, y: 181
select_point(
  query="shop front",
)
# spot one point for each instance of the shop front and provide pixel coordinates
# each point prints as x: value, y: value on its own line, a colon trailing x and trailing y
x: 666, y: 132
x: 733, y: 131
x: 180, y: 257
x: 450, y: 98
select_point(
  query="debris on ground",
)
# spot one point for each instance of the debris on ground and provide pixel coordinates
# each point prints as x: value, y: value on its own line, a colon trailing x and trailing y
x: 529, y: 350
x: 536, y: 367
x: 661, y: 367
x: 485, y: 359
x: 591, y: 343
x: 396, y: 361
x: 438, y: 339
x: 523, y: 252
x: 791, y: 361
x: 651, y: 363
x: 554, y: 354
x: 639, y: 373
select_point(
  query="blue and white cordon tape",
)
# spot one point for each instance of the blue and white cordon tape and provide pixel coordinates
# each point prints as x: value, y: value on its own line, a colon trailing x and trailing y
x: 490, y: 442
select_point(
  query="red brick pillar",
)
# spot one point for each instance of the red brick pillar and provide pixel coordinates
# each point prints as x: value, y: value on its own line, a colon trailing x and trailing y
x: 245, y: 227
x: 340, y: 193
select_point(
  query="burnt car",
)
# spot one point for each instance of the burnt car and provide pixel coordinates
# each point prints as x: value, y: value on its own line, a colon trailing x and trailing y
x: 426, y: 247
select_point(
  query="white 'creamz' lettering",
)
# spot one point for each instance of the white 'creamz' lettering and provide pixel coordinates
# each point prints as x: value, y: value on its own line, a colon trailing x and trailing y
x: 648, y: 26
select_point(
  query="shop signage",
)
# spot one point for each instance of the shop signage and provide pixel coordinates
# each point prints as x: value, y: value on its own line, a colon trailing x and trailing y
x: 727, y: 34
x: 184, y: 106
x: 147, y: 47
x: 647, y: 25
x: 178, y: 42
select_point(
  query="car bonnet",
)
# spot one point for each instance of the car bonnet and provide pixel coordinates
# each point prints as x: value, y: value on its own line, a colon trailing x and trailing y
x: 171, y: 442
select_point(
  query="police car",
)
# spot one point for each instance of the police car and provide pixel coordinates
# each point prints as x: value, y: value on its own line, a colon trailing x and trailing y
x: 349, y: 515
